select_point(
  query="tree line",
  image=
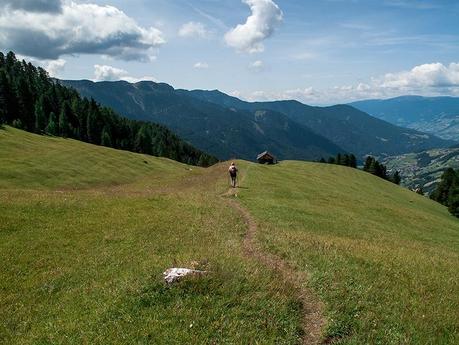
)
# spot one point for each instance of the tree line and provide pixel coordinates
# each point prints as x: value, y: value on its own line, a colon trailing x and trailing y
x: 32, y: 101
x: 371, y: 166
x: 447, y: 191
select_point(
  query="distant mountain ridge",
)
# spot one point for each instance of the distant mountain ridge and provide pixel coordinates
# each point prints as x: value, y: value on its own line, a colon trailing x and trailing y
x: 222, y: 131
x: 352, y: 129
x: 435, y: 115
x: 228, y: 127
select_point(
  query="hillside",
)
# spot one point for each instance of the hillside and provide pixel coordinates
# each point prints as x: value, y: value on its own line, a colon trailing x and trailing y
x: 221, y: 131
x: 348, y: 127
x: 85, y: 232
x: 425, y: 168
x: 227, y: 126
x: 31, y: 100
x: 435, y: 115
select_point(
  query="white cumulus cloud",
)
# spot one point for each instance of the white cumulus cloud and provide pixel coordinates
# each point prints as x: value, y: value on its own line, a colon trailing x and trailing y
x: 248, y: 37
x: 110, y: 73
x: 77, y: 29
x: 257, y: 66
x: 194, y: 30
x: 54, y: 67
x: 201, y: 65
x: 422, y: 76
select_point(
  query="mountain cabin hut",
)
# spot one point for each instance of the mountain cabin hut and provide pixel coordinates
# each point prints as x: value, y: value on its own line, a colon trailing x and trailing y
x: 266, y: 158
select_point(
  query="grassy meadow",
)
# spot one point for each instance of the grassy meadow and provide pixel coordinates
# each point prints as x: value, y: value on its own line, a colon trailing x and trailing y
x: 86, y: 232
x: 383, y: 259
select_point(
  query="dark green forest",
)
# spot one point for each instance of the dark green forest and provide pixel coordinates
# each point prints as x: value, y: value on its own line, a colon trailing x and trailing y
x: 447, y: 191
x: 371, y: 166
x: 32, y: 101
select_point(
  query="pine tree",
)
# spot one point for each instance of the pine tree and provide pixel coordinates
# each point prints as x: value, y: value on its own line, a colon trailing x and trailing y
x: 331, y: 160
x: 453, y: 201
x: 26, y: 104
x: 396, y: 177
x: 338, y: 159
x: 40, y: 116
x: 322, y: 160
x: 368, y: 162
x: 448, y: 180
x: 143, y: 140
x: 106, y: 138
x: 352, y: 161
x: 345, y: 160
x: 52, y: 128
x: 64, y: 124
x: 91, y: 127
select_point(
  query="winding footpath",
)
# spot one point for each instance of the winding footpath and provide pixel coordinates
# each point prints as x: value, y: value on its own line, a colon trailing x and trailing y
x: 313, y: 321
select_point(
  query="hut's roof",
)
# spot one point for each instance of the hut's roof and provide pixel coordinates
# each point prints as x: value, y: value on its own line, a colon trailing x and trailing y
x: 265, y: 153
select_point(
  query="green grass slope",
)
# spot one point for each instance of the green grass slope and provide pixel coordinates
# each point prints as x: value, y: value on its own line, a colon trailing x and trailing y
x: 86, y: 231
x: 384, y: 260
x: 40, y: 162
x: 84, y: 266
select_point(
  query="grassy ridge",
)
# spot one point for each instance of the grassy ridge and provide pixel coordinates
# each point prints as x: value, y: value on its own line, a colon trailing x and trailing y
x: 84, y: 266
x: 384, y: 259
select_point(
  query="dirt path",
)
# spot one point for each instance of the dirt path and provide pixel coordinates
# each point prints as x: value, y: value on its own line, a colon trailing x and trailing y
x: 313, y: 320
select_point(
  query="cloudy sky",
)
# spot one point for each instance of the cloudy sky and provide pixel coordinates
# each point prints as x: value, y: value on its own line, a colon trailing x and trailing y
x: 319, y: 52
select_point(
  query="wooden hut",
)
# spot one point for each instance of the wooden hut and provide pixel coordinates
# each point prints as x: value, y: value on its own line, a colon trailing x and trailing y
x: 266, y: 158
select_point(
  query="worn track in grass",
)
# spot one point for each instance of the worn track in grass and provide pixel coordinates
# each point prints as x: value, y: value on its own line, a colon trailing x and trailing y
x: 313, y: 321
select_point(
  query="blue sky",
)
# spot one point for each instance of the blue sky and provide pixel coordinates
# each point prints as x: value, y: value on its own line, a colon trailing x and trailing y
x: 319, y: 52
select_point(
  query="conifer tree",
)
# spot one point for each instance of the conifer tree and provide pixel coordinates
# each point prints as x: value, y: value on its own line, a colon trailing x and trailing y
x: 52, y: 127
x: 106, y: 139
x: 352, y: 161
x: 143, y: 140
x: 453, y: 201
x: 338, y: 159
x: 368, y: 162
x: 448, y: 180
x: 64, y: 124
x: 40, y: 117
x: 396, y: 177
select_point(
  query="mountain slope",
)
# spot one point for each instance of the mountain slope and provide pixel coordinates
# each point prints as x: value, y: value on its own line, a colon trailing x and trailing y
x: 424, y: 169
x: 86, y: 232
x: 383, y: 258
x: 436, y: 115
x: 31, y: 100
x: 216, y: 129
x: 349, y: 128
x: 85, y: 265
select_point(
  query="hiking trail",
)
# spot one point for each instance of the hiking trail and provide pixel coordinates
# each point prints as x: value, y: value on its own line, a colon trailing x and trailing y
x: 313, y: 321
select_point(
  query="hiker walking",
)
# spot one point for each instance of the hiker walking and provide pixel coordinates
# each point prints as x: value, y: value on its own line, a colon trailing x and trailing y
x: 233, y: 174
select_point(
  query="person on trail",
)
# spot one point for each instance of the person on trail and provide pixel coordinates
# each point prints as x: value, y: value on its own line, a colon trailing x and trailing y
x: 233, y: 174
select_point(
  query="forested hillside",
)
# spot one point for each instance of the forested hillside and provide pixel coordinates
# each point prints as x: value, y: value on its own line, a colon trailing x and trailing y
x: 223, y: 131
x: 352, y: 129
x: 31, y: 100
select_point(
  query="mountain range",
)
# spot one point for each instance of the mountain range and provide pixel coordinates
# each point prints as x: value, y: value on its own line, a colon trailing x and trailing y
x: 435, y: 115
x: 229, y: 127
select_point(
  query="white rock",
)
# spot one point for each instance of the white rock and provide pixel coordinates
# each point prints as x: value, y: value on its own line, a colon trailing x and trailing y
x: 171, y: 275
